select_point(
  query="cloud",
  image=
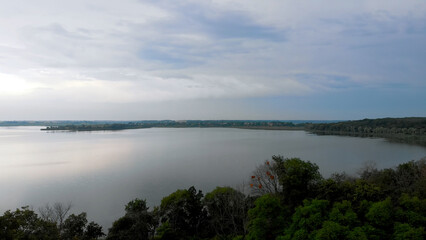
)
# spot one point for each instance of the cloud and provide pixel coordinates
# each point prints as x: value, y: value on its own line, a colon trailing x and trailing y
x: 13, y: 85
x: 157, y: 51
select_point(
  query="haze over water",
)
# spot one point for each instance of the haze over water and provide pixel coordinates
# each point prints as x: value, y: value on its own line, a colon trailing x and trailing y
x: 99, y: 172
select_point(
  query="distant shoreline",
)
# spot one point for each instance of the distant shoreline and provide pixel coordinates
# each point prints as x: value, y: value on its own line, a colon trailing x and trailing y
x: 250, y: 124
x: 410, y: 130
x: 247, y: 128
x: 274, y: 128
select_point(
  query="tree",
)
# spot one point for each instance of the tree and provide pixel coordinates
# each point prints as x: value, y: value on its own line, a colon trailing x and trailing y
x: 227, y: 211
x: 407, y: 232
x: 407, y: 177
x: 267, y: 218
x: 299, y: 179
x: 381, y: 213
x: 24, y: 223
x: 265, y: 178
x: 138, y: 222
x: 357, y: 234
x: 411, y: 176
x: 331, y: 231
x: 75, y: 227
x: 56, y: 213
x: 308, y: 219
x: 93, y: 231
x: 165, y: 231
x: 184, y: 212
x: 343, y: 214
x: 380, y: 217
x: 411, y: 210
x: 341, y: 219
x: 364, y: 190
x: 121, y: 229
x: 337, y: 188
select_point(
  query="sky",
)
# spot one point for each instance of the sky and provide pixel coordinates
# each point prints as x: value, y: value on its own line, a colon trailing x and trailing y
x: 212, y: 59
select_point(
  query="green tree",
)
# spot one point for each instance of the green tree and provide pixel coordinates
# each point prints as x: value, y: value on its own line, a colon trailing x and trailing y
x: 138, y: 222
x: 407, y: 232
x: 357, y: 234
x: 380, y: 217
x: 341, y: 219
x: 299, y: 179
x: 267, y: 218
x: 381, y: 213
x: 411, y: 210
x: 74, y: 226
x: 184, y: 212
x: 93, y: 231
x: 25, y: 224
x: 337, y: 188
x: 365, y: 191
x: 308, y: 219
x: 165, y: 231
x: 343, y: 214
x: 331, y: 231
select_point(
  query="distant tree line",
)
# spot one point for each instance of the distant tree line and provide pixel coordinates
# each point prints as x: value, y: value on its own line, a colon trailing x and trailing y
x: 408, y: 130
x: 177, y: 124
x: 95, y: 127
x: 54, y: 123
x: 381, y: 125
x: 289, y: 199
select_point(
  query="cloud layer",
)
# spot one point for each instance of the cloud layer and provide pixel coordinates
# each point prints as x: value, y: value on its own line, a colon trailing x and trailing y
x: 127, y: 53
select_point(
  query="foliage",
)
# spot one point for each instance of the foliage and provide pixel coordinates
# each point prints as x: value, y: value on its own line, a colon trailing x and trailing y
x: 407, y: 232
x: 93, y: 231
x: 267, y: 218
x: 307, y: 219
x: 137, y: 223
x: 343, y: 214
x: 407, y: 177
x: 411, y: 210
x: 24, y: 223
x: 331, y: 230
x: 298, y: 179
x: 184, y: 212
x: 76, y: 227
x: 409, y: 130
x: 227, y: 211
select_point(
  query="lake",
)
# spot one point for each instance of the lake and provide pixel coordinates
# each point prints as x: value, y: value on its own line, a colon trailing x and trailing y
x: 99, y: 172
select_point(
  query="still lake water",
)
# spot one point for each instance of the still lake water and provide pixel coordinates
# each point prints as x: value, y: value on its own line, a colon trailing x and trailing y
x: 99, y: 172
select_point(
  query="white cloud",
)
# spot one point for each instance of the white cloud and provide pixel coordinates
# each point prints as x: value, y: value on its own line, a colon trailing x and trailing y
x: 13, y: 85
x: 156, y: 51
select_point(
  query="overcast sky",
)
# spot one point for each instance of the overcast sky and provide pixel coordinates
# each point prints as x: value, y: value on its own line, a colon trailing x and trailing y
x: 215, y: 59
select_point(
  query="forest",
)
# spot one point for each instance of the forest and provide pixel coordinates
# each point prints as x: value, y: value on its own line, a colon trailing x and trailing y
x: 94, y: 126
x: 284, y: 198
x: 407, y: 130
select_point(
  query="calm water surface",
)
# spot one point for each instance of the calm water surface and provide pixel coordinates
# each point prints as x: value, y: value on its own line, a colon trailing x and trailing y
x: 99, y: 172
